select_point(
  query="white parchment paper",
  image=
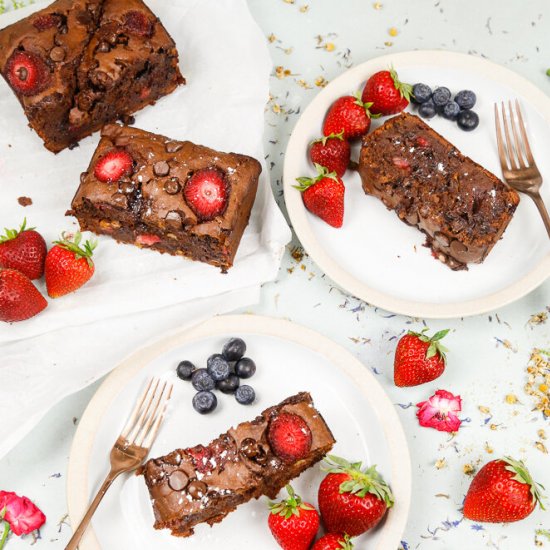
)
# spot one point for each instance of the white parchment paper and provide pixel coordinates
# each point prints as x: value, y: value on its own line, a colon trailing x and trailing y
x: 136, y: 295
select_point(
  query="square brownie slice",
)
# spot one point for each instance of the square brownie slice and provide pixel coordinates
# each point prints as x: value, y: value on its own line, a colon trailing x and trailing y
x: 462, y: 208
x: 171, y: 196
x: 79, y: 64
x: 203, y: 484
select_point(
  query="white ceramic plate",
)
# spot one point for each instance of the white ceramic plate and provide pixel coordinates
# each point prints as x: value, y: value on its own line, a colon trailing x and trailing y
x: 381, y: 260
x: 290, y: 358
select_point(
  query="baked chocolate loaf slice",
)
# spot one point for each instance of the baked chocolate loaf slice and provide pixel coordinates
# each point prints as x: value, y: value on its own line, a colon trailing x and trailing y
x: 461, y: 207
x: 204, y: 484
x: 79, y: 64
x: 170, y: 196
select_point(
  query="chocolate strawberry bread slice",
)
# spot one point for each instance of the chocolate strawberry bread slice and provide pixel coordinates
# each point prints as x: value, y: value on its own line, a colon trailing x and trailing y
x: 461, y: 207
x: 79, y: 64
x: 204, y: 484
x: 170, y: 196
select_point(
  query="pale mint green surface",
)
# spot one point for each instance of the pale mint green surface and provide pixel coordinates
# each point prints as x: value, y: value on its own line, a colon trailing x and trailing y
x: 488, y: 353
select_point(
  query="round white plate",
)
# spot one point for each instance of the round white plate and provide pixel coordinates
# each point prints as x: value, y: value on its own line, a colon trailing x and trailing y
x: 290, y: 358
x: 380, y: 259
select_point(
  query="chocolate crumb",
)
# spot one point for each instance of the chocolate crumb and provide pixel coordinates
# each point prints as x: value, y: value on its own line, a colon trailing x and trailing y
x: 24, y: 201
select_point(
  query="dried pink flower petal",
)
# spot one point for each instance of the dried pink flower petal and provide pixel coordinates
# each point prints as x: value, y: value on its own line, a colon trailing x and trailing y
x: 440, y: 411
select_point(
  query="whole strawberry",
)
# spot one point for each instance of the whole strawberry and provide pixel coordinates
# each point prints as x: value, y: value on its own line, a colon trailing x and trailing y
x: 69, y: 265
x: 352, y: 500
x: 24, y: 250
x: 502, y: 491
x: 348, y: 115
x: 387, y: 94
x: 19, y: 298
x: 292, y: 522
x: 332, y: 152
x: 333, y: 542
x: 324, y: 196
x: 419, y: 358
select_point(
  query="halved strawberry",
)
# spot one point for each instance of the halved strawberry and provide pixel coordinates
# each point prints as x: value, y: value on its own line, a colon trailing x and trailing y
x: 46, y: 21
x: 289, y: 437
x: 136, y: 22
x: 27, y: 73
x: 206, y: 193
x: 114, y: 165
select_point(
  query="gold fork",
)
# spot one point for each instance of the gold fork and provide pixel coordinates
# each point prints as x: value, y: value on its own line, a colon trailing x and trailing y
x: 133, y: 444
x: 518, y: 165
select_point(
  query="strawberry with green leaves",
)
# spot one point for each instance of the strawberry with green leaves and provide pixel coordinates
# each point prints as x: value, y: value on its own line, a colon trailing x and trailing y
x: 332, y: 152
x: 348, y: 115
x: 333, y: 541
x: 419, y: 358
x: 386, y: 93
x: 501, y: 492
x: 293, y: 523
x: 23, y: 249
x: 324, y: 196
x: 69, y: 265
x: 352, y: 500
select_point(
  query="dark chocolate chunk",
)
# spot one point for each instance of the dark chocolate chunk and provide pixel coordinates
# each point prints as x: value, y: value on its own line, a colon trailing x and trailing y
x: 178, y: 480
x: 197, y: 489
x: 172, y: 186
x: 161, y: 168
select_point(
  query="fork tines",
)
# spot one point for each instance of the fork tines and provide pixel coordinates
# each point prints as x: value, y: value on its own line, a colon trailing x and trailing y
x: 144, y: 422
x: 514, y: 154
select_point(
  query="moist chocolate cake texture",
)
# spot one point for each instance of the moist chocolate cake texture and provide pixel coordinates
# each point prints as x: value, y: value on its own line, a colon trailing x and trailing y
x: 79, y: 64
x: 461, y: 207
x: 204, y: 484
x: 147, y: 206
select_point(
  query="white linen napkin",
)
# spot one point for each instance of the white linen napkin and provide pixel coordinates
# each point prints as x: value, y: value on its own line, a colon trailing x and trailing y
x: 79, y: 337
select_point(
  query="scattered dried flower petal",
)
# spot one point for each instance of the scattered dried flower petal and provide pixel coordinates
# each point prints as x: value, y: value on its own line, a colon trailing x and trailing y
x: 440, y: 411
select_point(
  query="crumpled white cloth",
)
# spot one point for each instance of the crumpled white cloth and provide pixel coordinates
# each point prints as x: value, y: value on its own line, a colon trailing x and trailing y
x: 137, y: 295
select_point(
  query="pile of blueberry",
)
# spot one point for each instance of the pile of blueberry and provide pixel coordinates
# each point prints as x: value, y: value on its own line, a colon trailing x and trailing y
x: 224, y: 372
x: 440, y: 102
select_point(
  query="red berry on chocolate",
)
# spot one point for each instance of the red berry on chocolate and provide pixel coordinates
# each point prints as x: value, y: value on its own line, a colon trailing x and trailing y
x: 136, y: 22
x: 27, y: 73
x: 386, y: 93
x: 46, y: 21
x: 402, y: 163
x: 19, y: 298
x: 114, y: 165
x: 421, y: 142
x: 332, y: 152
x: 147, y: 239
x: 349, y: 115
x: 289, y: 437
x: 24, y: 250
x: 206, y: 193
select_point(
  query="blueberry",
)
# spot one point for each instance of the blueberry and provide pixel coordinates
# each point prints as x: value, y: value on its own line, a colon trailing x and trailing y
x: 234, y: 349
x: 229, y: 385
x: 467, y: 120
x: 421, y: 93
x: 202, y: 381
x: 217, y: 367
x: 245, y: 368
x: 185, y: 370
x: 451, y: 110
x: 441, y: 96
x: 427, y: 110
x: 466, y: 99
x: 245, y: 395
x: 205, y: 402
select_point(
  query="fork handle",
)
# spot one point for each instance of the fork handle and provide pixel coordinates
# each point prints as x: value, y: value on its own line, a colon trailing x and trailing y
x: 542, y: 209
x: 77, y: 535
